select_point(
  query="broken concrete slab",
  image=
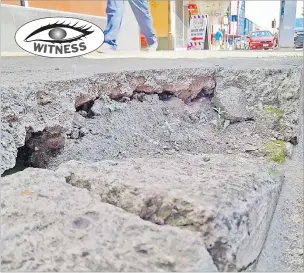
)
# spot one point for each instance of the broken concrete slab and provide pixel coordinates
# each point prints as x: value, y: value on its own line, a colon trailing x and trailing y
x: 46, y: 100
x: 22, y: 105
x: 229, y: 199
x: 174, y: 120
x: 232, y: 104
x: 8, y: 146
x: 48, y: 225
x: 276, y: 91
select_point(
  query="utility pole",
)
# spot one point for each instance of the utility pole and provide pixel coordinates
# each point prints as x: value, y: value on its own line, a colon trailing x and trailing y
x: 238, y: 14
x: 229, y: 18
x: 287, y: 23
x: 226, y: 20
x: 171, y: 23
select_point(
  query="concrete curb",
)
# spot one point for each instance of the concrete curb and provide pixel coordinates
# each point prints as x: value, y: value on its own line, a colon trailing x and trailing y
x: 191, y: 54
x: 176, y: 54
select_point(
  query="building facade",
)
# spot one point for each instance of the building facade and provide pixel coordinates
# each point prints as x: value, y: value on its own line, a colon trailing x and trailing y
x: 171, y: 17
x: 159, y: 10
x: 249, y: 26
x: 241, y: 19
x: 87, y: 7
x: 242, y: 25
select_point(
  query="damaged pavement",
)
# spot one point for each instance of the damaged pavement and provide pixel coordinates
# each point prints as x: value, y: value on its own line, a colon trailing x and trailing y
x: 144, y: 169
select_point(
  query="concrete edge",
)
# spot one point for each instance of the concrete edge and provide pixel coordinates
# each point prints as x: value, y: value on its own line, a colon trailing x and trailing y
x: 191, y: 55
x: 167, y: 55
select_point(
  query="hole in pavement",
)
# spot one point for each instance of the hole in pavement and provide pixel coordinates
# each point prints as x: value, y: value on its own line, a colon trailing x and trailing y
x: 203, y: 94
x: 22, y: 161
x: 39, y: 147
x: 165, y: 96
x: 85, y: 106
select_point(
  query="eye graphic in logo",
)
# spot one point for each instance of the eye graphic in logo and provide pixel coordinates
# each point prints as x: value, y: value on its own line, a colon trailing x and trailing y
x: 59, y: 33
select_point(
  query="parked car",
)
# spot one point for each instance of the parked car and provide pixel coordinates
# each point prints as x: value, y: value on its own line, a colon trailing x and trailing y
x: 237, y: 43
x: 299, y: 41
x: 262, y: 39
x: 241, y: 43
x: 299, y: 28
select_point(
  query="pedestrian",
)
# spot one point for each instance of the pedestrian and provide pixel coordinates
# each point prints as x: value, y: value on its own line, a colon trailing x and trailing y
x: 218, y: 39
x: 115, y: 11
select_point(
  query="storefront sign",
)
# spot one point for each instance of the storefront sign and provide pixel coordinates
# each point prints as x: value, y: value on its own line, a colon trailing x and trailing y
x: 198, y: 33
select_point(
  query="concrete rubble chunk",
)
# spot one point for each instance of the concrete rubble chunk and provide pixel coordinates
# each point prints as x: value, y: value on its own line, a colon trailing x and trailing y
x: 8, y: 148
x: 45, y: 144
x: 232, y: 103
x: 228, y: 198
x: 188, y: 92
x: 79, y: 121
x: 265, y: 93
x: 82, y: 99
x: 48, y: 225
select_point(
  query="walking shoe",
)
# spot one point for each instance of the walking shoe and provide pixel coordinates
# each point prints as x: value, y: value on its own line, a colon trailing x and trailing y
x: 105, y: 47
x: 153, y: 47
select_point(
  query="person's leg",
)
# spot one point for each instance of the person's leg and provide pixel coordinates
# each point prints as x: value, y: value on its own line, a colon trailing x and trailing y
x: 143, y: 16
x: 217, y: 42
x: 115, y: 11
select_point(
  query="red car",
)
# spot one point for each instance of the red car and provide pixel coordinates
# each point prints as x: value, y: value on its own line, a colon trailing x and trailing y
x: 262, y: 39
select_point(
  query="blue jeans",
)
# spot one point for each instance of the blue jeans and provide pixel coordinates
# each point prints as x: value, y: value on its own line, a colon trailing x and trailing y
x: 115, y: 11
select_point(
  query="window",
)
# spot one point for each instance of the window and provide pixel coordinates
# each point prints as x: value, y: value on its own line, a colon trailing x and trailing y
x: 257, y: 34
x: 299, y: 23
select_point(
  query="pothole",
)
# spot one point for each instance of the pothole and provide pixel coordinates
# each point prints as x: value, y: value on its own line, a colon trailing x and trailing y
x: 38, y: 149
x: 22, y: 161
x: 188, y: 154
x: 154, y: 124
x: 45, y: 144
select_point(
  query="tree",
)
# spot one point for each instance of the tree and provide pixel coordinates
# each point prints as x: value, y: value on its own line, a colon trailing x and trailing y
x: 227, y: 12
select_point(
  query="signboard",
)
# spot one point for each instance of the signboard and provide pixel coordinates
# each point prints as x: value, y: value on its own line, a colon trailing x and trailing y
x: 199, y: 32
x: 234, y: 18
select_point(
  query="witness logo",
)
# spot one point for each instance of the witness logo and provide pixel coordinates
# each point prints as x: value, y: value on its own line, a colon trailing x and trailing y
x: 59, y: 37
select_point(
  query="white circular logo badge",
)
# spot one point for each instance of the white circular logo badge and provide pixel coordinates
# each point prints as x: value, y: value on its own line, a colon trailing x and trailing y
x: 59, y: 37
